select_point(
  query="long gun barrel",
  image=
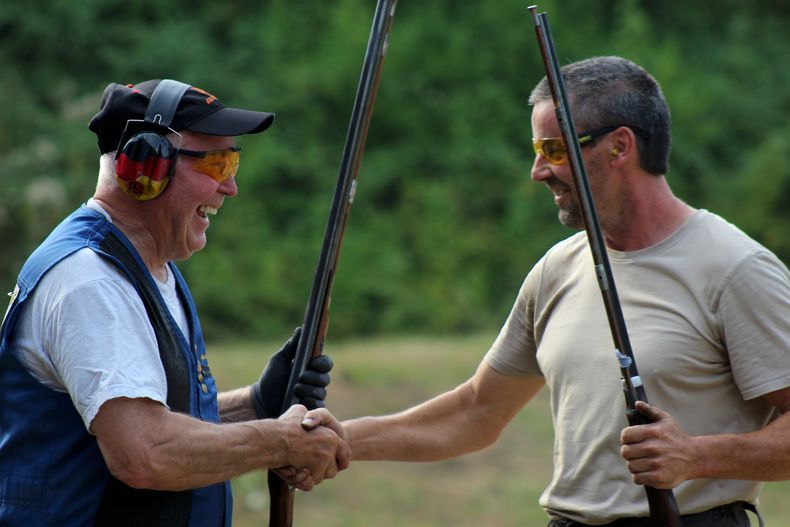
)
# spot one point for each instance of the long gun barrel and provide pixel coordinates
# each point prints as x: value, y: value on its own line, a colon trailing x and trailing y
x: 316, y: 319
x: 663, y: 507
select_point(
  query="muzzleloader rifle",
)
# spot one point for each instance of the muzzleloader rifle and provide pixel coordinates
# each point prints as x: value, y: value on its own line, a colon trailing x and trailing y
x: 316, y: 318
x: 663, y: 507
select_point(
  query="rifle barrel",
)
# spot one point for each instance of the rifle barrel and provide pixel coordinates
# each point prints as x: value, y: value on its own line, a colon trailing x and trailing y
x: 316, y: 320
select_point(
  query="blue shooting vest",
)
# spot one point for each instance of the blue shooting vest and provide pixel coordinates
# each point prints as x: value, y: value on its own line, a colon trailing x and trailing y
x: 51, y: 469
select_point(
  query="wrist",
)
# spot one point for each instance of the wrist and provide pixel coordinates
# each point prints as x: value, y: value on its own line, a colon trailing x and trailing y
x: 272, y: 442
x: 256, y: 400
x: 708, y: 459
x: 359, y: 435
x: 236, y: 405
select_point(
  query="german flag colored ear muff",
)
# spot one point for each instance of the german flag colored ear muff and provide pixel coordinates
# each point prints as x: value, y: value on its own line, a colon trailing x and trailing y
x: 146, y: 161
x: 145, y: 165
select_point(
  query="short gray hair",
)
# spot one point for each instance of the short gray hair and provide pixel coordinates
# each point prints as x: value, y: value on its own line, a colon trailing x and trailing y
x: 106, y: 179
x: 609, y: 91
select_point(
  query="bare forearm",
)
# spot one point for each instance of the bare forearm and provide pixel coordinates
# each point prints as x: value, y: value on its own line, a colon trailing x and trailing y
x: 145, y: 445
x: 181, y: 452
x: 463, y: 420
x: 759, y: 456
x: 234, y: 449
x: 435, y: 430
x: 236, y: 406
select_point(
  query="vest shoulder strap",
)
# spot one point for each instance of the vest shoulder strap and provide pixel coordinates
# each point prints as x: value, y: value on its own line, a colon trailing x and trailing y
x: 122, y: 505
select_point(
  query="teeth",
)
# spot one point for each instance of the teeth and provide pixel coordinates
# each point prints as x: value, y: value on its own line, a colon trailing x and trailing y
x: 208, y: 210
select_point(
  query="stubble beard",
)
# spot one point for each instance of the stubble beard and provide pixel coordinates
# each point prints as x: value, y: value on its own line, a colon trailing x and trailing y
x: 571, y: 216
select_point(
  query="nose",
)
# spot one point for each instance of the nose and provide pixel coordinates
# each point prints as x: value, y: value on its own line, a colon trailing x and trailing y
x: 540, y: 169
x: 229, y: 187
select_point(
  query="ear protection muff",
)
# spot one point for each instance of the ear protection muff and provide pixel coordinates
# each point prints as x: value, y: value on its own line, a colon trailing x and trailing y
x: 146, y: 161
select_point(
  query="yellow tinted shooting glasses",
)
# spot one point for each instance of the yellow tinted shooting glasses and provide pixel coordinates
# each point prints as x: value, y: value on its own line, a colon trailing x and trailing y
x: 219, y: 165
x: 553, y: 148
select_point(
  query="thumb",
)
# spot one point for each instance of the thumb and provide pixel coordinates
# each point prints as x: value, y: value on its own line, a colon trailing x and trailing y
x: 296, y: 334
x: 289, y: 348
x: 313, y: 419
x: 651, y: 413
x: 295, y: 412
x: 322, y: 417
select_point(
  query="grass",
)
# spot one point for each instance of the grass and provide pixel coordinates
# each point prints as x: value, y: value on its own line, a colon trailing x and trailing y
x: 497, y: 487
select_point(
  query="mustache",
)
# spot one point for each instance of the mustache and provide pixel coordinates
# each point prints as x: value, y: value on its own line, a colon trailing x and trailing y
x: 554, y: 183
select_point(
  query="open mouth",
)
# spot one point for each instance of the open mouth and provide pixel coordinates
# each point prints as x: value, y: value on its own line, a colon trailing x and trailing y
x: 559, y: 192
x: 204, y: 211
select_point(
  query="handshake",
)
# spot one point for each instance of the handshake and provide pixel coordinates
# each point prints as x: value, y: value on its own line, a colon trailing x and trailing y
x: 315, y: 447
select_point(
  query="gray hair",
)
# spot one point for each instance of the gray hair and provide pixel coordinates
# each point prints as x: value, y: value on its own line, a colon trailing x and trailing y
x: 106, y: 179
x: 610, y: 91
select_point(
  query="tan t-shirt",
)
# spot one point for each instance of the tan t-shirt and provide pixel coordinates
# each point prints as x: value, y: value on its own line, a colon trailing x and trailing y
x: 708, y: 315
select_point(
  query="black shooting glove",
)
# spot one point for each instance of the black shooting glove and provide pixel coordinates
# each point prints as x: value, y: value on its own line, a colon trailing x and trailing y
x: 268, y: 393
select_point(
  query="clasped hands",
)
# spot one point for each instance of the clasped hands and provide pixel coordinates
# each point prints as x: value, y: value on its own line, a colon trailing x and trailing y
x: 319, y: 450
x: 315, y: 448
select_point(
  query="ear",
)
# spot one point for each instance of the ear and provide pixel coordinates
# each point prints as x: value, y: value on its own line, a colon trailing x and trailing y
x: 623, y: 146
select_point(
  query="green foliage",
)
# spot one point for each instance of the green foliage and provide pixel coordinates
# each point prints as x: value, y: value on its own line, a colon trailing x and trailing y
x: 446, y: 221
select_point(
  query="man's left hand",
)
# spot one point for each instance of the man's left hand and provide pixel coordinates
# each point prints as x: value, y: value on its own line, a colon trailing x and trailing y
x: 659, y: 454
x: 269, y: 392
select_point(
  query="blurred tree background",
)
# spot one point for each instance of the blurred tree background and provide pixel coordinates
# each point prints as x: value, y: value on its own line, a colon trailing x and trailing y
x: 446, y: 221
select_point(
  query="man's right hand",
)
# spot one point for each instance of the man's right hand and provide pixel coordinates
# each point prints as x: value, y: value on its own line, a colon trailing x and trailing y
x: 314, y: 452
x: 322, y: 417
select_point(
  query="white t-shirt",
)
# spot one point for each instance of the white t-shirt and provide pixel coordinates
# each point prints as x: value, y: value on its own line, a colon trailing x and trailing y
x: 85, y: 331
x: 706, y: 311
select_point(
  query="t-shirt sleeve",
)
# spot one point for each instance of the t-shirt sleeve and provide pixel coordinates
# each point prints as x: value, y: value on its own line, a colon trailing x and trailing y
x: 103, y: 347
x: 514, y: 351
x: 753, y: 310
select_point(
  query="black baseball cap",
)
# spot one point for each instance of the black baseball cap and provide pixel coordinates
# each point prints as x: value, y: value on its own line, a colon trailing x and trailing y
x: 198, y: 111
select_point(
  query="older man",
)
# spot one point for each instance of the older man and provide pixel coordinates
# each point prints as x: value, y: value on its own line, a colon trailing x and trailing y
x: 109, y: 413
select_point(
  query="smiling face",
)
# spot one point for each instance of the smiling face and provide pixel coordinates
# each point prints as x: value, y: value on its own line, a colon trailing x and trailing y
x: 183, y: 211
x: 556, y: 177
x: 559, y: 179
